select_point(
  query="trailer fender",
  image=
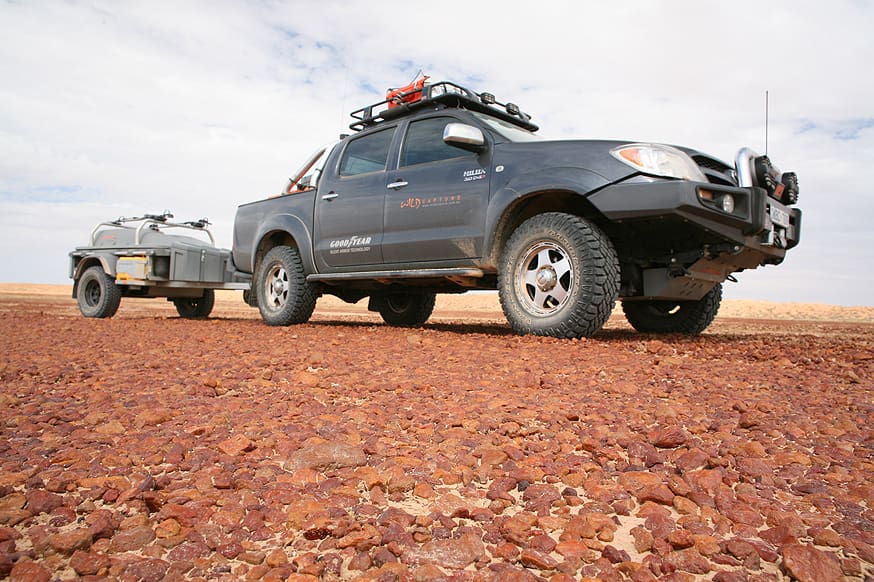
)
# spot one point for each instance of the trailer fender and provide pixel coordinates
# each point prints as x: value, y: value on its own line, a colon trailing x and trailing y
x: 87, y: 262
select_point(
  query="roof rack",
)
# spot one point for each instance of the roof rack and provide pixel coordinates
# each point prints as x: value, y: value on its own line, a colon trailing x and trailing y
x: 443, y: 93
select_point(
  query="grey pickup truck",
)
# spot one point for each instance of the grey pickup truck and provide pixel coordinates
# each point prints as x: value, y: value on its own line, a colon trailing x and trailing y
x: 443, y: 190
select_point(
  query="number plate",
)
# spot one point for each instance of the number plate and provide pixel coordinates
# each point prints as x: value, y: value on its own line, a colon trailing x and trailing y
x: 779, y: 216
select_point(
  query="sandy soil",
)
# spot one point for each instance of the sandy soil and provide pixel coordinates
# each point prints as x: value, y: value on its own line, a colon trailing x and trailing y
x: 149, y: 447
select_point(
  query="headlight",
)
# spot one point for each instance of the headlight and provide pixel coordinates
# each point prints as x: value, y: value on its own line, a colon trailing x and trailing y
x: 659, y: 160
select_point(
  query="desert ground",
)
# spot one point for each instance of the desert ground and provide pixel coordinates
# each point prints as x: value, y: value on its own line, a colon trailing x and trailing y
x: 150, y: 447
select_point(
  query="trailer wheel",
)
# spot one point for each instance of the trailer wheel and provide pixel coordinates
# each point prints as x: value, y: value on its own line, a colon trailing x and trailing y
x: 196, y: 307
x: 689, y: 317
x: 407, y: 309
x: 97, y: 294
x: 558, y: 276
x: 284, y: 295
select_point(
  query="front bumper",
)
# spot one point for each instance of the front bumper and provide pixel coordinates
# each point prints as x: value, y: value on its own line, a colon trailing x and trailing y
x: 757, y: 221
x: 676, y: 242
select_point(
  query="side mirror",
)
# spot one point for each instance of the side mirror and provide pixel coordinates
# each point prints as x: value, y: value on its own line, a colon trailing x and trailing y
x: 464, y: 136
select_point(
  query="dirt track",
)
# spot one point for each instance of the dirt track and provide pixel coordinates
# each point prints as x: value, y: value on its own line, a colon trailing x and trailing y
x: 148, y: 447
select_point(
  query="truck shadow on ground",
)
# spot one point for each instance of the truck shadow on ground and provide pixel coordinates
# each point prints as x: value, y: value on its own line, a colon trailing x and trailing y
x: 503, y: 330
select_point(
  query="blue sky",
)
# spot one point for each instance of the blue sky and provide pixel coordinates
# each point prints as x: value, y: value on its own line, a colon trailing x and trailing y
x: 117, y: 108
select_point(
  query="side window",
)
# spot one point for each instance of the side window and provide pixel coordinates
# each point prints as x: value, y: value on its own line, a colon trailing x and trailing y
x: 366, y: 154
x: 424, y: 143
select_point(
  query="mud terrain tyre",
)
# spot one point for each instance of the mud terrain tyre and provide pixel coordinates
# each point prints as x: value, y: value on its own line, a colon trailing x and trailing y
x: 558, y: 276
x: 407, y: 309
x: 689, y: 317
x: 284, y: 296
x: 97, y: 294
x: 195, y: 307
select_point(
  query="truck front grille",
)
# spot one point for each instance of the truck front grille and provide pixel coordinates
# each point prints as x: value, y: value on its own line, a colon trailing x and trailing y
x: 716, y: 171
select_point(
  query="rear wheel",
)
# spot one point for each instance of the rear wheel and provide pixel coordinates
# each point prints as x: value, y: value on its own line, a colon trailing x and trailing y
x: 97, y: 294
x: 558, y: 276
x: 407, y: 309
x: 284, y: 295
x: 689, y: 317
x: 196, y: 307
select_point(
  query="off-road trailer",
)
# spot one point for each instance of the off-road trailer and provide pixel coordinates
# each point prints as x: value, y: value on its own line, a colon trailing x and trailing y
x: 136, y: 257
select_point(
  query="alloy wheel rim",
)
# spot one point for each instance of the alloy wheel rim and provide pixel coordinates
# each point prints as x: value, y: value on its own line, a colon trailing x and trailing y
x: 277, y: 286
x: 544, y: 278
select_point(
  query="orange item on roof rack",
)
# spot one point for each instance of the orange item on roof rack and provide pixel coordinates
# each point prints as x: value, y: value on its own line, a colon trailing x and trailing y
x: 406, y: 94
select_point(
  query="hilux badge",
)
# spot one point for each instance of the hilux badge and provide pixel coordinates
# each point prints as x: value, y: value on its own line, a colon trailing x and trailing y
x: 471, y: 175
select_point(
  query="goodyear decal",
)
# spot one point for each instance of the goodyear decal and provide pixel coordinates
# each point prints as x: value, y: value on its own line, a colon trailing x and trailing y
x: 353, y: 244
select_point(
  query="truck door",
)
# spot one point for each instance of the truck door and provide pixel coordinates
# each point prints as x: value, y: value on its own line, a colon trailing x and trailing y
x: 350, y: 203
x: 437, y: 198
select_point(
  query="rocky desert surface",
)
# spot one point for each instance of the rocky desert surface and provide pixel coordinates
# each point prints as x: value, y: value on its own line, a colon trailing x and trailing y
x: 150, y: 447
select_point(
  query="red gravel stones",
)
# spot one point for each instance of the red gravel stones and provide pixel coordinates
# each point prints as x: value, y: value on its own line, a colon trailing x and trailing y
x: 327, y: 455
x: 29, y: 572
x: 41, y: 501
x: 808, y: 564
x: 151, y: 447
x: 668, y: 438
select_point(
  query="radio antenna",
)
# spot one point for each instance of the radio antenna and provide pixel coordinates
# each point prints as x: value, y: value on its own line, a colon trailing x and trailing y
x: 345, y: 86
x: 766, y: 122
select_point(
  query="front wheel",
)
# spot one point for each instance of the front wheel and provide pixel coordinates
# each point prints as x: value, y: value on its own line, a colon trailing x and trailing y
x: 407, y: 309
x: 284, y: 295
x: 558, y: 276
x: 689, y: 317
x: 97, y: 294
x: 195, y: 307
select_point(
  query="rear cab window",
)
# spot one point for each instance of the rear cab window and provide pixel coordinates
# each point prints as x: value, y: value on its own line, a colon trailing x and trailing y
x: 367, y: 154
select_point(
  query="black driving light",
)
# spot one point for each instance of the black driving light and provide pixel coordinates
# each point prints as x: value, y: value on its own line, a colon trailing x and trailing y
x: 513, y: 109
x: 487, y: 98
x: 766, y: 174
x: 789, y: 181
x: 781, y: 186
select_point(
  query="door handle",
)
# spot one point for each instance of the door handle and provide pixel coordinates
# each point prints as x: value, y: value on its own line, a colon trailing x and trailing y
x: 398, y: 185
x: 330, y: 196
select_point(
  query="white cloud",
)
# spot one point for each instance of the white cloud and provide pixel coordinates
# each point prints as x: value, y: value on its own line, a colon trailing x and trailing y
x: 111, y: 108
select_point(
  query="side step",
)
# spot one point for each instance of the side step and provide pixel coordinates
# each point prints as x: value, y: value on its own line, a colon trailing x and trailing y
x: 389, y: 276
